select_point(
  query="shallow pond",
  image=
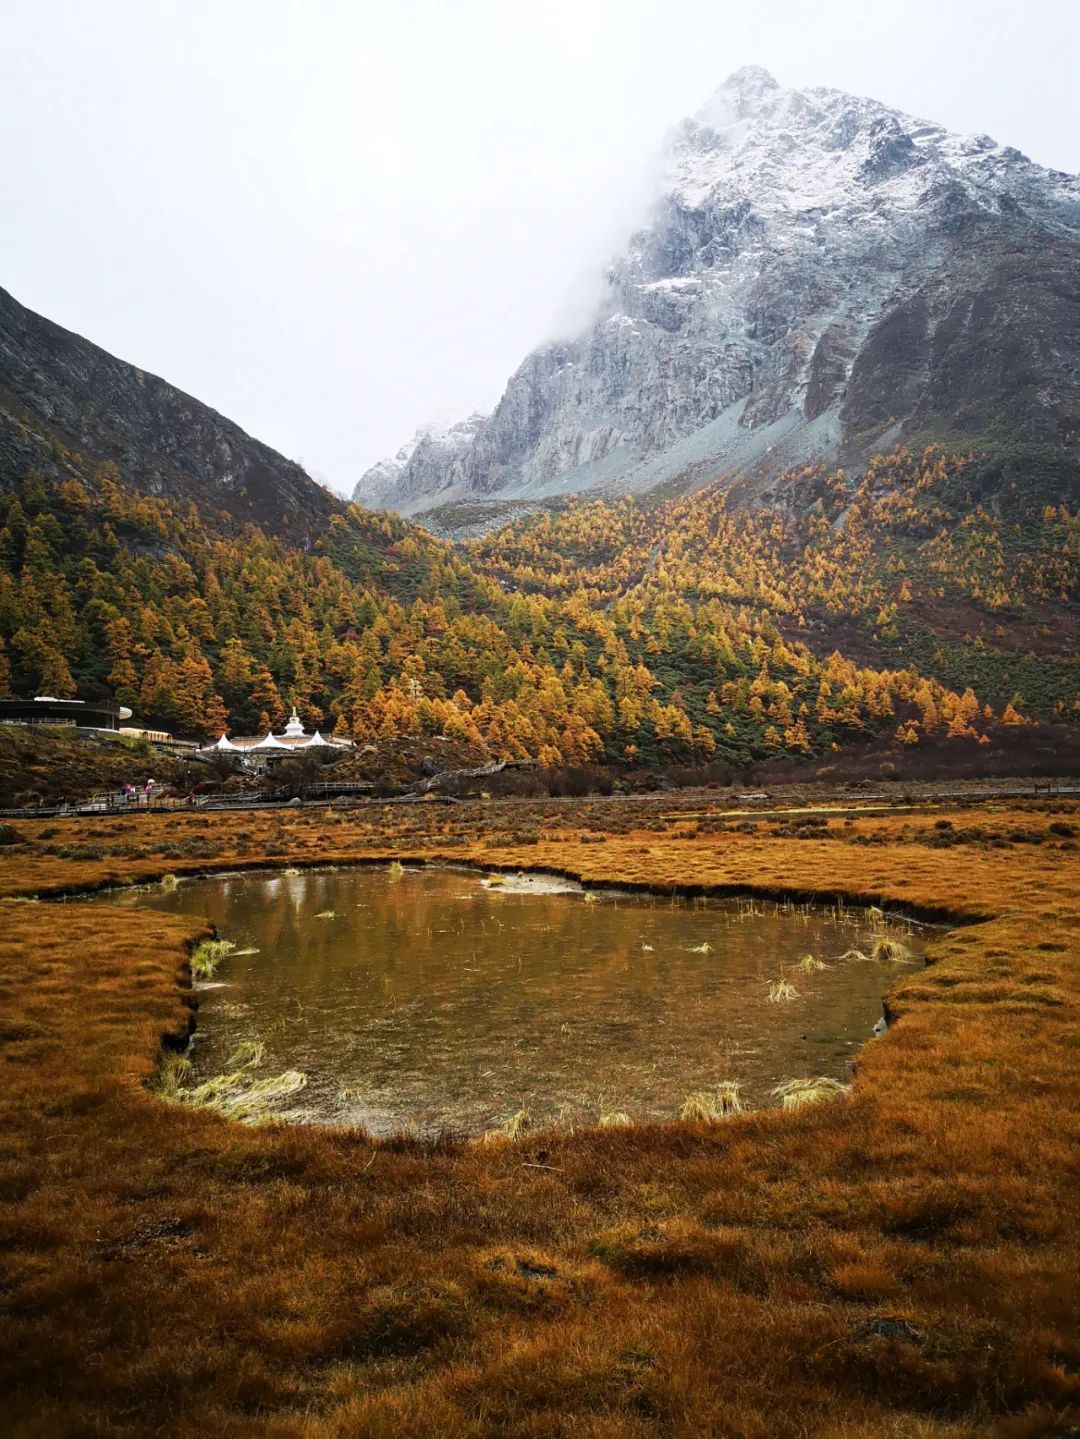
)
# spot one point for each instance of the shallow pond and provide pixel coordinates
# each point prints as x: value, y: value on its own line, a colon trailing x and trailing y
x: 439, y: 1001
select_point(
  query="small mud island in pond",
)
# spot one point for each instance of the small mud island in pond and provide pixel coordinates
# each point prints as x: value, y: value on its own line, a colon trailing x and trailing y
x: 900, y: 1251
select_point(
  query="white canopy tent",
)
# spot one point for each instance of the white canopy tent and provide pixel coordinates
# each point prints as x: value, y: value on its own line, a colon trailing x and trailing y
x: 271, y: 741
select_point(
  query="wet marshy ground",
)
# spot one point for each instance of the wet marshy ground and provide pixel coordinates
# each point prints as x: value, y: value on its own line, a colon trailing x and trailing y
x: 440, y: 1001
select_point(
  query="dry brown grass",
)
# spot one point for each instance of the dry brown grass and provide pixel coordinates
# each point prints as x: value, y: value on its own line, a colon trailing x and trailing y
x: 900, y: 1265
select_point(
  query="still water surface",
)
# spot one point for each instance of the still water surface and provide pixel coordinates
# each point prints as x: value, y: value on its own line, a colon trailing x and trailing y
x: 428, y: 1002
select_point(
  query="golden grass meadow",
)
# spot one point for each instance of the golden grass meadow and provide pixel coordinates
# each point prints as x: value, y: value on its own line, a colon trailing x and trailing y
x: 897, y: 1263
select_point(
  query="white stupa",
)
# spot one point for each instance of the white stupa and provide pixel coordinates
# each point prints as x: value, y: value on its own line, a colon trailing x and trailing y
x: 293, y: 737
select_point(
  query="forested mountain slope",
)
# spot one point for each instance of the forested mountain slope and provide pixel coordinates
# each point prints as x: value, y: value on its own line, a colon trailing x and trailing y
x: 60, y: 396
x: 896, y: 608
x: 152, y: 552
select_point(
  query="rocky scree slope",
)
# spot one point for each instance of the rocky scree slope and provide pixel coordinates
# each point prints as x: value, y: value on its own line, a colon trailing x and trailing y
x: 821, y: 276
x: 59, y: 391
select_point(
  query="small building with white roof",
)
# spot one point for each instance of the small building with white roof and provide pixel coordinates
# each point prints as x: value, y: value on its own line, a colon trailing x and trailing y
x: 274, y: 746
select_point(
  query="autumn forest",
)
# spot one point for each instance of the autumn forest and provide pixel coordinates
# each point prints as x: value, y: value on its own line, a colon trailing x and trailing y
x: 927, y: 599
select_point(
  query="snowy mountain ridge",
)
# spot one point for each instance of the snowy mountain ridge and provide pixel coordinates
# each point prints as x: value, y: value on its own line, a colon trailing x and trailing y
x: 821, y: 275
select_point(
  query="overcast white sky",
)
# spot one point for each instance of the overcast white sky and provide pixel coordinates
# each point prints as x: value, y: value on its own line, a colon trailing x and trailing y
x: 333, y: 221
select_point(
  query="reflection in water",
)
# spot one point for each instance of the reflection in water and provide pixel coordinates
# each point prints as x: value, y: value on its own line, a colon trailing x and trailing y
x: 430, y: 1002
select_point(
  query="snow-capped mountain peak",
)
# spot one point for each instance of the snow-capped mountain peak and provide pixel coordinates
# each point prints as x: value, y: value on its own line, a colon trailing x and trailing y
x: 741, y: 96
x: 820, y: 275
x: 430, y: 448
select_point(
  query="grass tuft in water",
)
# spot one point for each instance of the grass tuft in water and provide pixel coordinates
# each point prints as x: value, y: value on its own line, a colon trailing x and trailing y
x: 888, y: 950
x: 246, y: 1055
x: 796, y: 1093
x: 712, y: 1106
x: 169, y: 882
x: 810, y: 964
x: 699, y: 1104
x: 171, y: 1074
x: 207, y: 955
x: 326, y: 914
x: 780, y: 990
x: 728, y: 1098
x: 237, y: 1093
x: 238, y: 1096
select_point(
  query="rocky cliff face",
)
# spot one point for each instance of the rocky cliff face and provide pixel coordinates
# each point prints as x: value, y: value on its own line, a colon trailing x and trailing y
x: 821, y: 276
x: 56, y: 386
